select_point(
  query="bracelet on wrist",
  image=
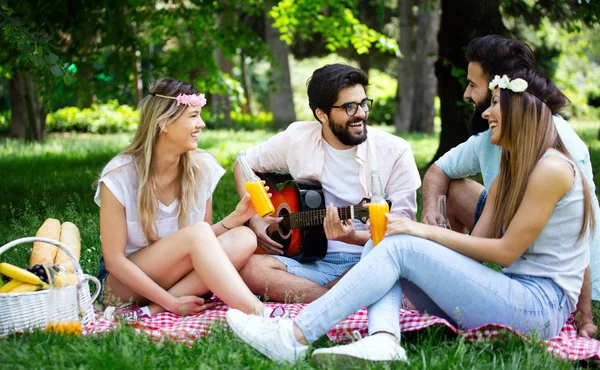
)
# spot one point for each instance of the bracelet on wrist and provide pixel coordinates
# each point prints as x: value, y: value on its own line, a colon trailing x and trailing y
x: 225, y: 227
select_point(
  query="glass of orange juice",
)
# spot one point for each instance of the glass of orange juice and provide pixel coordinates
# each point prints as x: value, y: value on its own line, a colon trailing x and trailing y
x: 255, y: 187
x: 63, y: 310
x: 378, y: 208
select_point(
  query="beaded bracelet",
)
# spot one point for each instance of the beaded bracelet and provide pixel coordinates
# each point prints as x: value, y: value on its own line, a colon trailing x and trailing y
x: 225, y: 227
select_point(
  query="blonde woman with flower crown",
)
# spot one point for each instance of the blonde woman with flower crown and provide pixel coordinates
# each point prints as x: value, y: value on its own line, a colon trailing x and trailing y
x: 535, y: 224
x: 161, y: 251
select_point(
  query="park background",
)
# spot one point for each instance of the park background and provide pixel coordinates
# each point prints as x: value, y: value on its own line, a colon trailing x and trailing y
x: 72, y: 73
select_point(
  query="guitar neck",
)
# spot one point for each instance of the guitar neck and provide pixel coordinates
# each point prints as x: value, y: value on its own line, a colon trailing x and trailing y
x: 316, y: 217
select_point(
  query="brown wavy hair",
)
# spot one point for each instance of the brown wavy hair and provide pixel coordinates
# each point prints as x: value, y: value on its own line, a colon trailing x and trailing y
x: 528, y: 131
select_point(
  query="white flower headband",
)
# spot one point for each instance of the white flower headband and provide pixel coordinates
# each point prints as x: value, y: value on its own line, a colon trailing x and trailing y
x: 194, y: 99
x: 517, y: 85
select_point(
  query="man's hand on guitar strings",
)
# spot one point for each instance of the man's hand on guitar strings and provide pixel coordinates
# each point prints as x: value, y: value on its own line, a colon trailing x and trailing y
x: 336, y: 229
x: 259, y: 226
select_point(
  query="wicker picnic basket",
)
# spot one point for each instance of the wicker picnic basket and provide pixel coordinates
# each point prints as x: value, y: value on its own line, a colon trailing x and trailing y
x: 23, y: 311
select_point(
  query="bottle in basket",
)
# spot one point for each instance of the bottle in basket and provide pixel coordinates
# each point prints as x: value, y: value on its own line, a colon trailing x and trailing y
x: 64, y: 315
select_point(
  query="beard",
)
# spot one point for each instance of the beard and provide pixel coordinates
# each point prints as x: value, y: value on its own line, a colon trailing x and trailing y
x: 343, y: 134
x: 477, y: 123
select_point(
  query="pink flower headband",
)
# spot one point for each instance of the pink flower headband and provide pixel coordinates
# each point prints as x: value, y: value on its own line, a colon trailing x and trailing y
x: 195, y: 99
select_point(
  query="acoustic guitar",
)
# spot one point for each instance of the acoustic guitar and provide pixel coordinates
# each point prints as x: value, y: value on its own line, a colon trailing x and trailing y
x: 301, y: 203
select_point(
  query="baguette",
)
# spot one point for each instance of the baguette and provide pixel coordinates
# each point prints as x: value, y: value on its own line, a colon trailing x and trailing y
x: 44, y: 252
x: 69, y: 235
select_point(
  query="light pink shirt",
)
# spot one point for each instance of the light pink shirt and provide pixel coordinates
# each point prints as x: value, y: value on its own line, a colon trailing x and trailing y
x: 299, y: 151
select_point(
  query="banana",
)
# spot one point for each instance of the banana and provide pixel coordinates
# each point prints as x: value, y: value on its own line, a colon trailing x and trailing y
x: 25, y: 288
x: 1, y: 281
x: 11, y: 285
x: 18, y: 273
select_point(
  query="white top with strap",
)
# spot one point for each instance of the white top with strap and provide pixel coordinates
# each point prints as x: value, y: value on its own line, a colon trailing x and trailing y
x: 121, y: 178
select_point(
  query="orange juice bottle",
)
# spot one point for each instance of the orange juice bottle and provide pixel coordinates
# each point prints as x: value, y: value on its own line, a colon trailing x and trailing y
x: 378, y: 208
x: 254, y: 186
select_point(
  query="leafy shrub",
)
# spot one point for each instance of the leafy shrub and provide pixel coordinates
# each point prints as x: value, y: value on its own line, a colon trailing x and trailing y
x: 100, y: 118
x: 4, y: 121
x: 382, y: 112
x: 241, y: 121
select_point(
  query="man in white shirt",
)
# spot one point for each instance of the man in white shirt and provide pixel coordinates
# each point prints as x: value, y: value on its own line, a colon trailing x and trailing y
x: 339, y: 151
x: 489, y: 56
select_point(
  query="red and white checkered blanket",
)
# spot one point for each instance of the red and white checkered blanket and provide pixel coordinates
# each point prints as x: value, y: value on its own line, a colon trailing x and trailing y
x: 567, y: 345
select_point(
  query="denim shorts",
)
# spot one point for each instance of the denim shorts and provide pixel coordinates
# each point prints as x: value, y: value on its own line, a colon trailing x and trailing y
x: 323, y: 271
x: 480, y: 206
x: 102, y: 275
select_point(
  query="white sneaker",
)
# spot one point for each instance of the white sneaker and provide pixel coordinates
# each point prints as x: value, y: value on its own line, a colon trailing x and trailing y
x: 271, y: 337
x: 375, y: 348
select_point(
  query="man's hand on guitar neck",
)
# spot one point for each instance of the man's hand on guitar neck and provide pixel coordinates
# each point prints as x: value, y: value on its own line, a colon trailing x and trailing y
x: 259, y: 226
x: 336, y: 229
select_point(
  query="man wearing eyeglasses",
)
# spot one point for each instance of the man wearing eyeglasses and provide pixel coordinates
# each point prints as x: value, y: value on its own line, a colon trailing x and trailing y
x: 339, y: 150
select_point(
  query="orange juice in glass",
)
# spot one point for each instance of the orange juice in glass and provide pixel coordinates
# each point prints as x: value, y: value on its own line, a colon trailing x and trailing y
x: 378, y: 208
x: 254, y: 186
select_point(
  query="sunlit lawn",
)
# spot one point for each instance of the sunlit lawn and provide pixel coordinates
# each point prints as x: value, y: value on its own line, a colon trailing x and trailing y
x: 55, y: 179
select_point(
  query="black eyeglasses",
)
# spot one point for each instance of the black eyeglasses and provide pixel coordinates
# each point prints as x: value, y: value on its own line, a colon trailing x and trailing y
x: 352, y: 108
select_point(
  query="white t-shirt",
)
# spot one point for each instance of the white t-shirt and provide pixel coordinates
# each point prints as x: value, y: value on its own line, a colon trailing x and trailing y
x: 121, y: 178
x: 341, y: 186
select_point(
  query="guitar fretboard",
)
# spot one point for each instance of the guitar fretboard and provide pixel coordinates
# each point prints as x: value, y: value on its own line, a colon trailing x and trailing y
x: 316, y: 217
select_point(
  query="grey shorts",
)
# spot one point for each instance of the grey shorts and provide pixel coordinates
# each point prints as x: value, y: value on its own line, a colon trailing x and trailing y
x: 322, y: 271
x: 480, y: 206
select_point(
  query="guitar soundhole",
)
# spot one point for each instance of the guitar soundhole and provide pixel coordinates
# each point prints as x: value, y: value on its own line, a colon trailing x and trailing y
x: 284, y: 225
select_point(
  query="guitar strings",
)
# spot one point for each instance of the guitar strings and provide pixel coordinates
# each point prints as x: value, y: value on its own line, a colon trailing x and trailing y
x: 315, y: 215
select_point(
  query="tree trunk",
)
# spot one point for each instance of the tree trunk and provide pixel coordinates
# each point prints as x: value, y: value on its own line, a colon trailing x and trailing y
x: 220, y: 104
x: 405, y: 65
x: 424, y: 81
x: 461, y: 21
x: 246, y: 108
x: 17, y: 108
x: 281, y: 99
x: 28, y: 117
x: 138, y: 84
x: 364, y: 61
x: 85, y: 85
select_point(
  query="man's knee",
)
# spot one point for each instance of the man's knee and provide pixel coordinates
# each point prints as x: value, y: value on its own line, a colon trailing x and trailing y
x: 463, y: 195
x: 259, y: 264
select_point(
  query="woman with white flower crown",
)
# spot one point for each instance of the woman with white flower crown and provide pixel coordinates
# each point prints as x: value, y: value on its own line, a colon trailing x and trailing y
x: 161, y: 251
x: 535, y: 224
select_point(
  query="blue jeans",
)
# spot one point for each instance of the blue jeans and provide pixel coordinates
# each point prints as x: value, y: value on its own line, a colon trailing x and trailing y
x: 480, y: 205
x: 439, y: 281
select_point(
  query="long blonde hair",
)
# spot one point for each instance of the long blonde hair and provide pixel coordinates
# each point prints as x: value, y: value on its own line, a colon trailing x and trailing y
x: 156, y: 113
x: 527, y: 132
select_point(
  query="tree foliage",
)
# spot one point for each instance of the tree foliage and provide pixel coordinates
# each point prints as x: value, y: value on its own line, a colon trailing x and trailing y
x: 334, y: 20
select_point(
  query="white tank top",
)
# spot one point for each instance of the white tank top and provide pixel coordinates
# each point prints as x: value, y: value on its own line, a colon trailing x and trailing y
x: 555, y: 253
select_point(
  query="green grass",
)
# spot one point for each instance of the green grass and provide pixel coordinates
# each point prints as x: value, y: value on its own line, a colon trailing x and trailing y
x: 55, y: 179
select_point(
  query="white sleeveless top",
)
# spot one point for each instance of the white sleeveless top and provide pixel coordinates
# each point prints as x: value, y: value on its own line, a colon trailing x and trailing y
x: 120, y: 177
x: 555, y: 253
